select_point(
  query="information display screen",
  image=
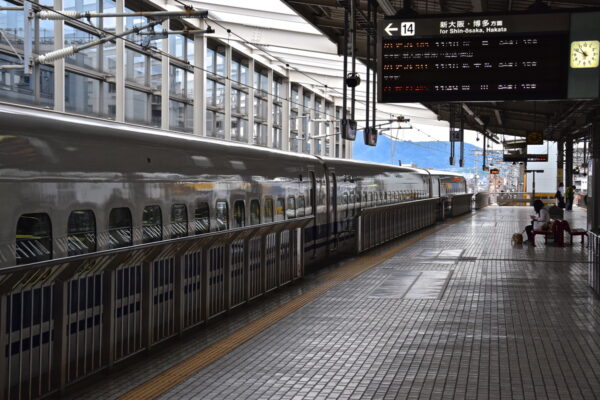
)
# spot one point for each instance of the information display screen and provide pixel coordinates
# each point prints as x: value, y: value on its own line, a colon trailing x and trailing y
x: 474, y: 58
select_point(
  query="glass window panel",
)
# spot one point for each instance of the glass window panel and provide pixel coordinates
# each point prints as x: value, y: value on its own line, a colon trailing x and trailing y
x: 219, y: 125
x: 254, y: 212
x: 235, y: 71
x: 202, y: 219
x: 82, y: 94
x: 268, y: 215
x: 280, y: 209
x: 178, y: 221
x: 181, y: 115
x: 177, y: 46
x: 189, y: 51
x: 239, y: 214
x: 219, y: 95
x: 220, y: 70
x: 235, y: 105
x: 189, y: 88
x: 33, y: 238
x: 210, y: 123
x: 119, y: 228
x: 109, y: 60
x: 291, y: 207
x: 209, y: 61
x: 244, y: 72
x: 18, y: 87
x: 222, y: 216
x: 301, y: 205
x: 135, y: 66
x: 87, y: 58
x: 155, y: 109
x: 155, y: 73
x: 109, y: 107
x: 136, y: 106
x: 81, y: 237
x: 151, y: 224
x: 277, y: 115
x: 177, y: 84
x: 210, y: 92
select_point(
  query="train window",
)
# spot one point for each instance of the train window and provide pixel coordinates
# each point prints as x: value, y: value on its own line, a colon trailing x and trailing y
x: 365, y: 197
x: 371, y: 198
x: 239, y: 214
x: 291, y: 207
x: 34, y: 238
x: 222, y: 216
x: 254, y: 212
x: 280, y: 209
x: 301, y: 205
x: 151, y: 224
x: 202, y: 219
x: 178, y: 220
x: 268, y: 209
x: 119, y: 228
x: 81, y: 237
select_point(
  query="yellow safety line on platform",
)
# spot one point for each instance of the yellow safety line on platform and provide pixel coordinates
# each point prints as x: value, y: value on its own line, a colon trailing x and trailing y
x: 185, y: 369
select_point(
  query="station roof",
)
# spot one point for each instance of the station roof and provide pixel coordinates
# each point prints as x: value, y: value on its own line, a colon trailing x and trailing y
x: 557, y: 119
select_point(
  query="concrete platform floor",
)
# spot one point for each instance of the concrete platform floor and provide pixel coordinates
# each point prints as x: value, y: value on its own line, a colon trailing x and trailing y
x: 458, y: 314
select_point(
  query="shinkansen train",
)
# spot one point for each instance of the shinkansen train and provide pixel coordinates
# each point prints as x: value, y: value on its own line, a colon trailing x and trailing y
x: 71, y: 185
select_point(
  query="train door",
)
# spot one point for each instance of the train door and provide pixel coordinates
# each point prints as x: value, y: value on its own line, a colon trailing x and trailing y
x: 333, y: 227
x: 313, y: 207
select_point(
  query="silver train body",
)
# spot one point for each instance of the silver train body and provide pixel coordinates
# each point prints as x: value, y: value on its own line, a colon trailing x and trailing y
x: 62, y: 177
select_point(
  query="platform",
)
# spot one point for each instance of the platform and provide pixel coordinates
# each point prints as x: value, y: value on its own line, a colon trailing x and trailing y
x: 452, y: 312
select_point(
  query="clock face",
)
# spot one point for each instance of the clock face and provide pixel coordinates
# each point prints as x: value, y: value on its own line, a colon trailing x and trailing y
x: 585, y: 54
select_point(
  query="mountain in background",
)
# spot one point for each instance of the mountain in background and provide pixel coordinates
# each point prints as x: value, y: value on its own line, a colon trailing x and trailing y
x: 433, y: 155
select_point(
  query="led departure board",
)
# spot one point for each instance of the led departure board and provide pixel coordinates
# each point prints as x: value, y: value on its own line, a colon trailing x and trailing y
x: 474, y: 58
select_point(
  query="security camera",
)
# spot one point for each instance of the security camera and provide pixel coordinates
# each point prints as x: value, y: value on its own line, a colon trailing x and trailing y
x: 352, y: 80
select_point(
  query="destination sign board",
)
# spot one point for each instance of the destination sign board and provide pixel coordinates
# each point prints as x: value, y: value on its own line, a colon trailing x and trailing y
x: 474, y: 58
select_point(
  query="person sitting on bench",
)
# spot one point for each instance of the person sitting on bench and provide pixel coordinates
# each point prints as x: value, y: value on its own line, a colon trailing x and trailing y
x: 540, y: 221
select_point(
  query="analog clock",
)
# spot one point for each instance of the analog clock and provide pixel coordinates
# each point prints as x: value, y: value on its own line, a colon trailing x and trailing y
x: 585, y: 54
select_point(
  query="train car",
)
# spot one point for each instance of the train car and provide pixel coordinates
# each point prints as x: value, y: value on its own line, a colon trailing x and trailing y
x: 72, y: 185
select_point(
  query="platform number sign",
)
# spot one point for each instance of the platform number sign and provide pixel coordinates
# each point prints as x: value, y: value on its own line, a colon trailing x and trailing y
x: 407, y: 29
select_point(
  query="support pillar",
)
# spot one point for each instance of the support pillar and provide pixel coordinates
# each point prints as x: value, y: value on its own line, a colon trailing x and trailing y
x: 165, y: 92
x: 593, y: 203
x: 199, y: 83
x: 560, y: 156
x: 120, y: 68
x: 59, y: 65
x: 569, y: 162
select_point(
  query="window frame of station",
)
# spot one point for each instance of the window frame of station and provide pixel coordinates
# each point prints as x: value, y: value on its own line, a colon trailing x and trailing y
x: 295, y: 120
x: 306, y: 117
x: 277, y: 95
x: 213, y: 78
x: 178, y: 98
x: 239, y: 114
x: 260, y: 130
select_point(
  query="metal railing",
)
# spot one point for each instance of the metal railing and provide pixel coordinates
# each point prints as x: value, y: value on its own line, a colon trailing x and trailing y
x: 64, y: 319
x: 461, y: 204
x: 482, y: 199
x: 522, y: 198
x: 377, y: 225
x: 594, y: 261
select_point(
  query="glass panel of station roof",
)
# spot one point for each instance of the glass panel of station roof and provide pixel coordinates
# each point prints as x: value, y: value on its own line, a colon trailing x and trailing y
x: 220, y: 61
x: 277, y: 88
x: 155, y: 73
x: 151, y: 224
x: 210, y: 123
x: 277, y: 115
x: 244, y: 72
x: 109, y: 57
x: 260, y: 109
x: 109, y: 24
x: 235, y: 71
x: 87, y: 58
x: 239, y: 128
x: 136, y: 66
x: 33, y: 238
x: 210, y: 92
x: 219, y: 95
x: 82, y: 94
x: 12, y: 24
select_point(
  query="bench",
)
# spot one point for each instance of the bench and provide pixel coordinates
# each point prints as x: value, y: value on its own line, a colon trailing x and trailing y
x: 556, y: 231
x: 575, y: 232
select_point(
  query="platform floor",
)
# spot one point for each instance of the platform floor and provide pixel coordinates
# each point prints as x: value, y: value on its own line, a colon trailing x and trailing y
x: 456, y: 312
